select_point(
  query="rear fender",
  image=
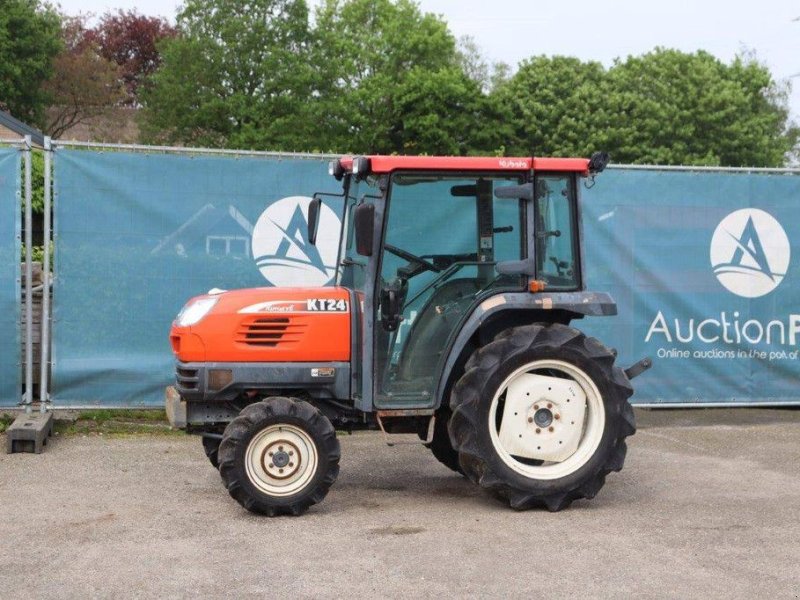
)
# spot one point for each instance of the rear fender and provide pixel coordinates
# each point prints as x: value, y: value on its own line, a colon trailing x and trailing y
x: 501, y: 311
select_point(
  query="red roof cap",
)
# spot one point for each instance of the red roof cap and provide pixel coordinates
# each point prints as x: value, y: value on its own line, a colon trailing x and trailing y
x: 387, y: 164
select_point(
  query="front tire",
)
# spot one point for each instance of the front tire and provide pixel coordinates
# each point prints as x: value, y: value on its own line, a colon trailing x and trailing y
x: 279, y: 456
x: 540, y: 416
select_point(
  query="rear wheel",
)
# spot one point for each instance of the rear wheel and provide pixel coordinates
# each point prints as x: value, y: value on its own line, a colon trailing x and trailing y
x: 540, y: 416
x: 279, y: 456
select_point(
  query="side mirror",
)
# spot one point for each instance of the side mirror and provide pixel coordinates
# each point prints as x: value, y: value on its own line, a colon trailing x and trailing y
x: 313, y: 219
x: 364, y: 225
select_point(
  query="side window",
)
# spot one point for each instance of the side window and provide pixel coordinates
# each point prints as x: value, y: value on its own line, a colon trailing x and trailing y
x: 556, y: 254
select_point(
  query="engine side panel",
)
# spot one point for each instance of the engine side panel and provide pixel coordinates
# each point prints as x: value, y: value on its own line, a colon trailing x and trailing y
x: 270, y: 325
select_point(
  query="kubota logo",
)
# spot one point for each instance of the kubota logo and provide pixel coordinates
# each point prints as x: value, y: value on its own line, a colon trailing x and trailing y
x: 281, y: 248
x: 750, y: 253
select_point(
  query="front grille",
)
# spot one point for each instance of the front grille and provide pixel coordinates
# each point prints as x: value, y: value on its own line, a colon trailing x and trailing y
x: 186, y: 378
x: 269, y: 332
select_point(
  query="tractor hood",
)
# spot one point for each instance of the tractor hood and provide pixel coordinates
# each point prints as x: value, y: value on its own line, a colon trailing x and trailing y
x: 265, y: 325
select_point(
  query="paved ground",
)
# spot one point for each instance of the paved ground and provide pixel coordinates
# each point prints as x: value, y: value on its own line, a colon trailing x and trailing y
x: 701, y: 510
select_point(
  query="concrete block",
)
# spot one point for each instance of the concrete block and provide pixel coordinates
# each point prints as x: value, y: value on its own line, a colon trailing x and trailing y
x: 29, y: 432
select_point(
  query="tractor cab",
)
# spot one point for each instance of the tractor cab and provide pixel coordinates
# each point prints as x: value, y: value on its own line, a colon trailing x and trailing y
x: 426, y: 240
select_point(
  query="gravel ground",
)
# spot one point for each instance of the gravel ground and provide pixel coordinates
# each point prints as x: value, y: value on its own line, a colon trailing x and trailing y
x: 708, y: 505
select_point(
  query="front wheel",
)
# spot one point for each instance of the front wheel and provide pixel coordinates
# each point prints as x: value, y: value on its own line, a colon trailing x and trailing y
x: 279, y: 456
x: 540, y: 416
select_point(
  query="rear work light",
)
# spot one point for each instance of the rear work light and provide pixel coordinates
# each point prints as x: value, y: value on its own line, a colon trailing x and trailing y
x: 335, y: 169
x: 361, y: 166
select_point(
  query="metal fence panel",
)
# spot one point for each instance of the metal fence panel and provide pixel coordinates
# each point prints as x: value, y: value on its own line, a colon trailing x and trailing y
x: 138, y: 234
x: 10, y: 223
x: 706, y: 271
x: 701, y: 264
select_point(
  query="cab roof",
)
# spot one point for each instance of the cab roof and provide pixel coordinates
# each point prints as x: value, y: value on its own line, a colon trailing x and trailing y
x: 387, y: 164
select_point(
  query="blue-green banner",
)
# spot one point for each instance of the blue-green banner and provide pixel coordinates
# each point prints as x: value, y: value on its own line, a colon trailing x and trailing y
x: 706, y: 272
x: 9, y: 276
x: 703, y: 266
x: 138, y: 234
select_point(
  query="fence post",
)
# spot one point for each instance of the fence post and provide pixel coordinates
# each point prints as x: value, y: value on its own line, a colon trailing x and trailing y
x: 28, y: 397
x: 44, y: 395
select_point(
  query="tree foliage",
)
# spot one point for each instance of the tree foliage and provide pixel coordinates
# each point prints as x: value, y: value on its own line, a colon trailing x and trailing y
x: 368, y: 51
x: 84, y: 84
x: 693, y: 109
x: 29, y: 40
x: 238, y: 75
x: 444, y: 112
x: 370, y: 76
x: 130, y: 40
x: 488, y: 75
x: 664, y: 107
x: 382, y: 76
x: 550, y: 104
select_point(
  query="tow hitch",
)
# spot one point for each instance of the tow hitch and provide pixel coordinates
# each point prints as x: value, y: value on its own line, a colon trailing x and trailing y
x: 638, y: 368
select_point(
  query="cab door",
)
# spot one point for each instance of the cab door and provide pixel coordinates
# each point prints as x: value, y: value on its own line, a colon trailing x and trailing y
x: 443, y: 236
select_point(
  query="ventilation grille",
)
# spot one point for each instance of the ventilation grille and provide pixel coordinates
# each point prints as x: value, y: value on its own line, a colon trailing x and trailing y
x: 186, y: 379
x: 270, y: 332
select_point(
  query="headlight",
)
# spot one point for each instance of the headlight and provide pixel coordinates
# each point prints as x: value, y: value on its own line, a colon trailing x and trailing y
x: 193, y: 313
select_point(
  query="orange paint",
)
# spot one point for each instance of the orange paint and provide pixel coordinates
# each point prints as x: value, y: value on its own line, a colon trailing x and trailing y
x: 270, y: 325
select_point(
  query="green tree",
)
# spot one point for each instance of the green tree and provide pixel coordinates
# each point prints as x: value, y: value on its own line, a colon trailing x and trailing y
x: 693, y: 109
x: 444, y: 112
x: 550, y: 105
x: 369, y: 52
x: 664, y: 107
x: 477, y: 67
x: 237, y: 75
x: 29, y: 39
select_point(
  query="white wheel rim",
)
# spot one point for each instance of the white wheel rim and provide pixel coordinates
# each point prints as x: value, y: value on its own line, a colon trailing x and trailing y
x: 281, y: 460
x: 592, y: 430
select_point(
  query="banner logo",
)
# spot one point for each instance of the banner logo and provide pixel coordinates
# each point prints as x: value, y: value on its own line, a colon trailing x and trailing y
x: 281, y: 248
x: 750, y: 253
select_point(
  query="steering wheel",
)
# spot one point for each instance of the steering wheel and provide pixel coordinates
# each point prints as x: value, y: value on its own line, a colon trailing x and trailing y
x: 412, y: 258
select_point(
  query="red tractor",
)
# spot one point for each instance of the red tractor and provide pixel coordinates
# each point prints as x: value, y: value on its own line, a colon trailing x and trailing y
x: 456, y: 283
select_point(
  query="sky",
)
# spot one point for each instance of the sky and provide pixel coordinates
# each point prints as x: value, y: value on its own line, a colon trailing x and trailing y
x: 511, y: 30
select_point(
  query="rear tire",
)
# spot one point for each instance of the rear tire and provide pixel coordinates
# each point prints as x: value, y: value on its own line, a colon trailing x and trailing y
x: 279, y: 456
x: 478, y: 401
x: 211, y: 447
x: 440, y: 445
